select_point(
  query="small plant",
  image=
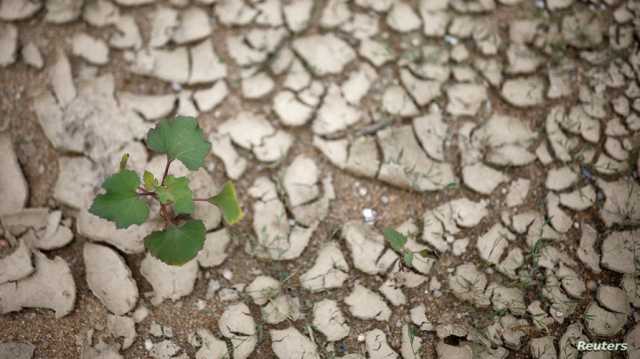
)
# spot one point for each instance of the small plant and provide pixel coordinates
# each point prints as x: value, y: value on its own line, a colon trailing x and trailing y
x: 397, y: 241
x: 123, y: 201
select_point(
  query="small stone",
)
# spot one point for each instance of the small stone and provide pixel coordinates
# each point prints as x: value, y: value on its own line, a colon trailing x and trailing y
x: 369, y: 215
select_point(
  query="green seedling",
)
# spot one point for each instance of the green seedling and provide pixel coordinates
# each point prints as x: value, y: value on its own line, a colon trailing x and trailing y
x: 125, y: 198
x: 397, y: 241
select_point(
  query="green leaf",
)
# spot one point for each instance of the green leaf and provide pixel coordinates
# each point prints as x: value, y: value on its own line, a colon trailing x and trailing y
x: 227, y: 201
x: 177, y: 245
x: 408, y: 258
x: 177, y: 192
x: 150, y: 182
x: 123, y: 161
x: 121, y: 204
x: 396, y: 239
x: 182, y: 139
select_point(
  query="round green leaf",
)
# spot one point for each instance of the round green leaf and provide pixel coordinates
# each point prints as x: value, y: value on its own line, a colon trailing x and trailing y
x: 120, y: 203
x: 227, y: 201
x: 176, y: 191
x: 182, y: 139
x: 177, y: 245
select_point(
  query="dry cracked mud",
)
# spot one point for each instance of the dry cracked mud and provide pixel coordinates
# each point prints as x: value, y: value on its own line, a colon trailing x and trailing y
x: 499, y: 136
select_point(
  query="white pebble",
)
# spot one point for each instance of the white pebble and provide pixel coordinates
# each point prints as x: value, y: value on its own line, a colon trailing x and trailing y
x: 227, y: 274
x: 369, y: 215
x: 148, y: 344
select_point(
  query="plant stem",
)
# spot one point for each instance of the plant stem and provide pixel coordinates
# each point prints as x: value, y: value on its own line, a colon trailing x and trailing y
x: 165, y: 215
x: 166, y: 170
x: 145, y: 193
x: 201, y: 200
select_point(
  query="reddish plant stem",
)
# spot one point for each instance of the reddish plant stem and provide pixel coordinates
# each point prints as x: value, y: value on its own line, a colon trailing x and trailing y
x: 166, y: 170
x: 145, y: 193
x: 201, y: 200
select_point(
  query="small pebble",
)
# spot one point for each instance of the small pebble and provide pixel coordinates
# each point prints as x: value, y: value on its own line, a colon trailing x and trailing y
x: 201, y: 304
x: 227, y: 274
x: 369, y: 215
x: 451, y: 40
x: 361, y: 337
x: 148, y: 344
x: 384, y: 200
x: 362, y: 191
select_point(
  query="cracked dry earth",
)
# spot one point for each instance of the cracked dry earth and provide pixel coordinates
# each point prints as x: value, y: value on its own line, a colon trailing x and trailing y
x: 502, y: 136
